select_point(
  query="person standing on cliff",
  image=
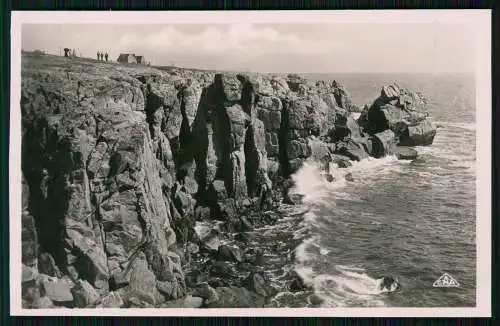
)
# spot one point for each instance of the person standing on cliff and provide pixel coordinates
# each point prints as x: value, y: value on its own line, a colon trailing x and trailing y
x: 106, y: 56
x: 98, y: 55
x: 102, y: 56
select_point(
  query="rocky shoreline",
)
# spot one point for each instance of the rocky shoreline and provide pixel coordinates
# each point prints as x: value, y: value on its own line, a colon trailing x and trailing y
x: 142, y: 186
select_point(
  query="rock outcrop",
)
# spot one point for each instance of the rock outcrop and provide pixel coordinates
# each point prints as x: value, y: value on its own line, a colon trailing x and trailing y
x: 120, y: 163
x: 401, y: 111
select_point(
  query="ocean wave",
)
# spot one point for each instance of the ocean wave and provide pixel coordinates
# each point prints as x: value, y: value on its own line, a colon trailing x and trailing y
x: 344, y: 286
x: 462, y: 125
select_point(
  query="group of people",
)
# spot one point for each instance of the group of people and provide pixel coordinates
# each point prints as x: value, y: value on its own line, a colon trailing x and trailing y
x: 69, y: 53
x: 101, y: 56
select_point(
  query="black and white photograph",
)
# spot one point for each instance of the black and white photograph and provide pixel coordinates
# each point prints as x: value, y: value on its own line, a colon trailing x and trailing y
x: 251, y: 163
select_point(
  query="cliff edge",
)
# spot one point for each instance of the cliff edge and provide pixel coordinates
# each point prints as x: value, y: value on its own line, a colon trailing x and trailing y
x: 120, y: 162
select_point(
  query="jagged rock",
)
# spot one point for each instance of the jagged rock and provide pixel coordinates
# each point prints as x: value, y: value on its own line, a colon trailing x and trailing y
x: 297, y: 149
x: 223, y: 269
x: 401, y: 111
x: 383, y: 143
x: 405, y: 153
x: 255, y: 282
x: 236, y: 297
x: 84, y: 294
x: 43, y: 303
x: 57, y: 290
x: 390, y: 92
x: 30, y: 286
x: 93, y: 261
x: 351, y: 149
x: 47, y: 265
x: 342, y: 97
x: 229, y: 86
x: 295, y: 283
x: 142, y: 282
x: 29, y: 238
x: 111, y: 300
x: 421, y: 134
x: 229, y: 253
x: 193, y: 248
x: 272, y: 144
x: 207, y: 293
x: 212, y: 241
x: 340, y: 160
x: 104, y: 148
x: 187, y: 302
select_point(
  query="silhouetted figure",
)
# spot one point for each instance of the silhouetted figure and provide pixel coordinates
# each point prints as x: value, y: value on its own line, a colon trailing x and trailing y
x: 66, y: 52
x: 102, y: 56
x: 106, y: 56
x: 98, y: 55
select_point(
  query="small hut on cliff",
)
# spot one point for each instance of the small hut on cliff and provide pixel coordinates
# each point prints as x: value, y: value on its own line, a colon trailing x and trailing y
x: 140, y: 59
x: 131, y: 58
x: 127, y: 58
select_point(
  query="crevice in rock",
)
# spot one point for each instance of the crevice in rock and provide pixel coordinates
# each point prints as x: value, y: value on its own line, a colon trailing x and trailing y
x: 282, y: 141
x: 45, y: 168
x: 251, y: 161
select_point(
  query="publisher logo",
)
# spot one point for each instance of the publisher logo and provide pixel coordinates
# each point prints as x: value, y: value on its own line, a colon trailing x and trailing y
x: 446, y: 281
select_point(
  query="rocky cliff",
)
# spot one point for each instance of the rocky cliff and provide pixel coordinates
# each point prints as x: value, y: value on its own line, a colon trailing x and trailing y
x: 120, y: 162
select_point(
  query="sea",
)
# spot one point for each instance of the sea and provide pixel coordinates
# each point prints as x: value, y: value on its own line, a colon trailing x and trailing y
x: 412, y: 220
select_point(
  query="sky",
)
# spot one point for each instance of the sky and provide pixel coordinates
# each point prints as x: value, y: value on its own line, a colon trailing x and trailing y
x: 429, y: 47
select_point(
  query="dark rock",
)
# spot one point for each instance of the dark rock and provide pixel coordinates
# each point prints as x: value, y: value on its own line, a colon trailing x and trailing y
x: 236, y: 297
x: 315, y: 300
x: 383, y: 143
x: 30, y: 287
x: 349, y: 177
x: 166, y: 288
x: 47, y: 265
x: 57, y: 290
x: 351, y: 149
x: 229, y: 253
x: 421, y: 134
x: 193, y: 248
x: 84, y: 294
x: 29, y: 237
x: 405, y: 153
x: 244, y: 237
x: 295, y: 283
x: 202, y: 213
x: 255, y: 282
x: 223, y: 269
x: 293, y: 199
x: 328, y: 177
x: 216, y: 282
x: 340, y: 160
x: 207, y: 293
x: 212, y: 241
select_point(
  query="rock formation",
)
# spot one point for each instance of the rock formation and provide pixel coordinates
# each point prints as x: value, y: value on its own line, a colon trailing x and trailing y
x: 120, y: 162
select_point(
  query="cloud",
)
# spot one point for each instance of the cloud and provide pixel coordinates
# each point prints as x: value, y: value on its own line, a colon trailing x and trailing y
x: 236, y: 39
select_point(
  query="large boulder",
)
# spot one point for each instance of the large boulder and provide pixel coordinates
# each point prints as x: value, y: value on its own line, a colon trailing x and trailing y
x: 353, y: 150
x: 421, y: 134
x: 401, y: 111
x: 405, y: 153
x: 382, y: 143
